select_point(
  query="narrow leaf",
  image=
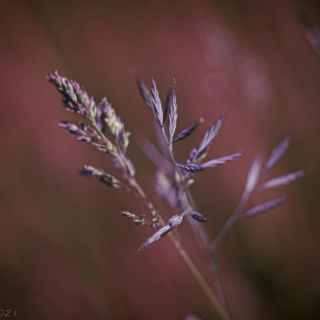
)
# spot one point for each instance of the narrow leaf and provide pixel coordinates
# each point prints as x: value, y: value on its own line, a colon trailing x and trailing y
x: 263, y: 207
x: 186, y: 132
x: 156, y: 102
x: 191, y: 167
x: 283, y: 180
x: 278, y: 152
x: 173, y: 114
x: 217, y: 162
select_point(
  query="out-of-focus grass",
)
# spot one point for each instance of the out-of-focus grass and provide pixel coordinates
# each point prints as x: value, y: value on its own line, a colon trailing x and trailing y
x: 65, y: 251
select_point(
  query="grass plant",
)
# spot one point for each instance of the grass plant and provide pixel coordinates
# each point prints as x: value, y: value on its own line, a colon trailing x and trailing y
x: 104, y: 130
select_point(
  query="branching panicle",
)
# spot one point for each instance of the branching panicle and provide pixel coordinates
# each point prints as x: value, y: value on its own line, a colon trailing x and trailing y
x: 101, y: 116
x: 253, y: 177
x: 108, y: 134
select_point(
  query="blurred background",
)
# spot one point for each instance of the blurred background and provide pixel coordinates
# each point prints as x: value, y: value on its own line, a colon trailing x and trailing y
x: 65, y: 251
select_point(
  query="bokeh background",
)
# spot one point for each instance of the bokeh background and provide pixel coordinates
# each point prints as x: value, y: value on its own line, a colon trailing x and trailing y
x: 65, y: 251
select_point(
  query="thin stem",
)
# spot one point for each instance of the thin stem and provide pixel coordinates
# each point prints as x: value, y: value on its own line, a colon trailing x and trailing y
x: 215, y: 303
x: 230, y: 222
x: 188, y: 205
x: 133, y: 182
x: 213, y: 265
x: 142, y: 195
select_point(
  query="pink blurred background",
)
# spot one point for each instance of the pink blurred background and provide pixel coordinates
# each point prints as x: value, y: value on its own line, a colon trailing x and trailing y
x: 65, y: 251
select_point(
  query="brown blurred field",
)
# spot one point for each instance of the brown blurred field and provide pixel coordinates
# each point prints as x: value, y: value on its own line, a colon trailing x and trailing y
x: 65, y: 251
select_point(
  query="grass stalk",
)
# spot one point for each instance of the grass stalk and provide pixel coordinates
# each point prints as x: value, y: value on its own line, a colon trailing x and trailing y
x: 206, y: 289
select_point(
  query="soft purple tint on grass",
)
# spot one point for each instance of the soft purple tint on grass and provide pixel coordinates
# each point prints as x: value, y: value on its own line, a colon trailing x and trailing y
x: 173, y: 114
x: 263, y: 207
x: 75, y: 130
x: 210, y: 134
x: 145, y: 94
x: 74, y: 97
x: 155, y: 237
x: 191, y: 316
x: 161, y: 141
x: 193, y: 168
x: 186, y: 132
x: 164, y: 189
x: 101, y: 175
x: 217, y: 162
x: 198, y: 216
x: 283, y: 180
x: 253, y: 175
x: 172, y: 223
x: 156, y: 102
x: 167, y: 104
x: 278, y: 152
x: 154, y: 155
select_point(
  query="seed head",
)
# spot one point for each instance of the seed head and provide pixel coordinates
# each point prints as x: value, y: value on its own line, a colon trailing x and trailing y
x: 173, y: 222
x: 198, y: 216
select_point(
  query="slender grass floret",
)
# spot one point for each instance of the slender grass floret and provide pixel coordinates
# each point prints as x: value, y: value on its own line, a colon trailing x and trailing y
x: 104, y: 130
